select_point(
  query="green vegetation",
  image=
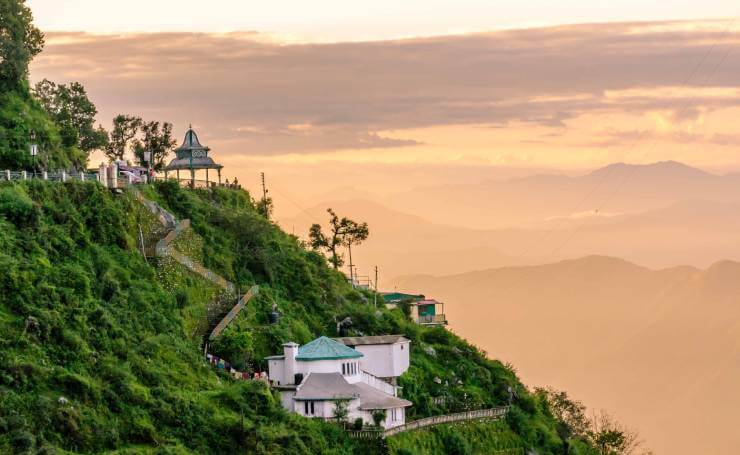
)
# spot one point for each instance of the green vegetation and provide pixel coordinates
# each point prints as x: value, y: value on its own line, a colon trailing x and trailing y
x: 99, y: 349
x: 22, y: 116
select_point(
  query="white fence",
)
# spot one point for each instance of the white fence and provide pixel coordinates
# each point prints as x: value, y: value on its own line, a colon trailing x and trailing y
x: 376, y: 382
x: 59, y: 176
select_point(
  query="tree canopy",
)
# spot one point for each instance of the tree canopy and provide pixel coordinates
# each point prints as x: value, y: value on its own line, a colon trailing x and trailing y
x: 158, y: 141
x: 20, y: 41
x: 122, y: 136
x: 74, y: 113
x: 343, y: 232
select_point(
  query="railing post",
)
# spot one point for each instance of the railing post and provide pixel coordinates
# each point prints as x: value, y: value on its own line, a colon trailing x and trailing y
x: 64, y: 176
x: 113, y: 169
x: 7, y: 174
x: 45, y: 175
x: 24, y: 175
x: 82, y: 176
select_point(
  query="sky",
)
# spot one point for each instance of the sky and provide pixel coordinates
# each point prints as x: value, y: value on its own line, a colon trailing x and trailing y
x: 338, y: 20
x: 307, y: 92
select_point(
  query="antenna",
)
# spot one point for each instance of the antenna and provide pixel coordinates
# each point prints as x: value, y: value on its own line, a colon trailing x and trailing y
x: 376, y: 287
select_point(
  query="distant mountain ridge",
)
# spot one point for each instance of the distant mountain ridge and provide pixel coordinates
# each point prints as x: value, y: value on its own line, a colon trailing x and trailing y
x: 657, y: 347
x: 619, y: 187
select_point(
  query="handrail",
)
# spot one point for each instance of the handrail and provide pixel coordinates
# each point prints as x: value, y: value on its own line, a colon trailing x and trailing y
x: 253, y: 291
x: 493, y: 413
x: 60, y: 176
x: 375, y: 382
x: 164, y: 248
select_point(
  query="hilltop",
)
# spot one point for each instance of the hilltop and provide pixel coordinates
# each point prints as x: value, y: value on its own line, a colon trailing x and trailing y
x: 102, y: 347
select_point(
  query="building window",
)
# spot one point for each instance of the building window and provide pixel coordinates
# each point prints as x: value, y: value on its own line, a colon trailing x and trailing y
x: 308, y: 408
x: 312, y: 409
x: 344, y: 369
x: 305, y: 407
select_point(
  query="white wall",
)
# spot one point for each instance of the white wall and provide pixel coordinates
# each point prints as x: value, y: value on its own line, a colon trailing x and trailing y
x: 286, y: 399
x: 401, y: 357
x: 385, y: 360
x: 325, y: 409
x: 331, y: 366
x: 276, y: 370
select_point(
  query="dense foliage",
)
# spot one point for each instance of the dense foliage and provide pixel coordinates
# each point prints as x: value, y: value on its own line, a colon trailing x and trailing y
x: 100, y: 349
x: 22, y: 118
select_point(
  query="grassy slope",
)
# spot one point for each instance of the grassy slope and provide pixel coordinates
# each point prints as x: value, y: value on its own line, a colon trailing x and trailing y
x: 115, y: 336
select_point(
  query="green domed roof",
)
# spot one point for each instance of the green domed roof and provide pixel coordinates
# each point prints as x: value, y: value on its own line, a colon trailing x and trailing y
x: 324, y: 348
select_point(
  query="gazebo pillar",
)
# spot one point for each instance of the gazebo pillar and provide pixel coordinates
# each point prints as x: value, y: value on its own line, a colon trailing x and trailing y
x: 206, y: 177
x: 219, y: 176
x: 178, y: 174
x: 165, y: 174
x: 192, y: 178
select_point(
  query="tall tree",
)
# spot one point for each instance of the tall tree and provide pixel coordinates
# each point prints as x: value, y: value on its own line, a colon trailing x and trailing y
x: 20, y: 41
x: 74, y: 113
x: 354, y: 234
x: 125, y: 128
x: 158, y: 141
x: 343, y: 232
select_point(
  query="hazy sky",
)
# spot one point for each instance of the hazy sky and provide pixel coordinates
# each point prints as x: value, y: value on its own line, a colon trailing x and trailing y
x: 340, y: 20
x: 279, y: 85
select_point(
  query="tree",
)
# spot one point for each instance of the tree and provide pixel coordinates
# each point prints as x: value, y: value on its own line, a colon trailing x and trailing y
x: 571, y: 414
x: 602, y: 432
x: 343, y: 232
x: 74, y: 113
x: 20, y: 41
x: 378, y: 417
x: 265, y: 207
x: 125, y: 128
x: 341, y: 410
x: 155, y: 140
x: 611, y: 438
x: 354, y: 234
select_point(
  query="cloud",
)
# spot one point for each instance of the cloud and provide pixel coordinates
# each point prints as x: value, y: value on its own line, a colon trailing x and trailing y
x: 248, y: 91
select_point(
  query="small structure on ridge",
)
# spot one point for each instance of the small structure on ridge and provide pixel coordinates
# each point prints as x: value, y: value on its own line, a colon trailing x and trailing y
x: 192, y: 156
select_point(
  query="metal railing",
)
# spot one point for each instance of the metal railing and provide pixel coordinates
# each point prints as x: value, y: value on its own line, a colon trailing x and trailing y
x: 432, y: 319
x: 366, y: 434
x: 493, y: 413
x: 488, y: 414
x: 377, y: 383
x: 59, y: 176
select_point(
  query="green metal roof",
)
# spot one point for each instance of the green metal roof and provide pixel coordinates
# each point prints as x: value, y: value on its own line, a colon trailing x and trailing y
x: 399, y: 296
x: 324, y: 348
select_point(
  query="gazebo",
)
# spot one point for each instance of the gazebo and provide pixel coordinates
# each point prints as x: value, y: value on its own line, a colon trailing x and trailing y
x: 193, y: 156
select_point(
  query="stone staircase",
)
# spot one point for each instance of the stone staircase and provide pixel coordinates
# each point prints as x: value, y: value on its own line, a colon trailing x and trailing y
x: 222, y: 310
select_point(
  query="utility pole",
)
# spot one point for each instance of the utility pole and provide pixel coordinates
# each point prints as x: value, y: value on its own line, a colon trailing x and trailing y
x: 264, y: 188
x: 376, y: 287
x: 34, y: 150
x: 351, y: 272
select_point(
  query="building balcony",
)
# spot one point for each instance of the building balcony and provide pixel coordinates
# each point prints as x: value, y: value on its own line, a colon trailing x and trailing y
x: 432, y: 319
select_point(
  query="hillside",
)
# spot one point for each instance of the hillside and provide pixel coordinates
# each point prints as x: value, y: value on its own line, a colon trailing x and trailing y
x: 101, y: 349
x: 658, y: 348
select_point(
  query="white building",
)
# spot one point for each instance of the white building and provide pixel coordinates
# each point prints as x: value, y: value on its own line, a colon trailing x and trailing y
x: 384, y: 356
x: 313, y: 378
